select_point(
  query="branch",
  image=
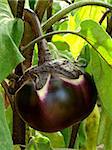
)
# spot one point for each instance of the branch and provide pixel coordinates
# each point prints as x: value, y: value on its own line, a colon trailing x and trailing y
x: 60, y: 32
x: 18, y: 134
x: 36, y: 27
x: 75, y: 129
x: 47, y: 35
x: 67, y: 1
x: 104, y: 15
x: 19, y: 14
x: 40, y: 8
x: 6, y: 87
x: 20, y: 8
x: 49, y: 14
x: 68, y: 9
x: 109, y: 24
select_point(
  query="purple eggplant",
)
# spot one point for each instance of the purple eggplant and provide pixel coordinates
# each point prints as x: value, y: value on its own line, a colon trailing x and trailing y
x: 59, y: 104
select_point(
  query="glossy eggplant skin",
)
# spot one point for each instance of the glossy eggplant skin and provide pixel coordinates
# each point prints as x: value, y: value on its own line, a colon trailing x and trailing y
x: 61, y: 103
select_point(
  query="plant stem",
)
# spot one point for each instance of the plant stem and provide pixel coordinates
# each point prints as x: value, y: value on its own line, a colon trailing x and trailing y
x: 5, y: 86
x: 18, y: 134
x: 68, y: 9
x: 20, y: 8
x: 47, y: 35
x: 104, y: 16
x: 49, y: 15
x: 67, y: 1
x: 36, y: 28
x: 40, y: 8
x: 75, y: 129
x: 60, y: 32
x: 18, y: 129
x: 109, y: 24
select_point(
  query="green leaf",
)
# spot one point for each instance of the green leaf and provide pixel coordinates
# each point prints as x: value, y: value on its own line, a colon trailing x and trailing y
x: 39, y: 142
x: 102, y: 127
x: 105, y: 131
x: 35, y: 55
x: 76, y: 43
x: 11, y: 31
x: 9, y: 117
x: 16, y: 147
x: 81, y: 136
x: 61, y: 45
x: 89, y: 12
x: 56, y: 52
x: 92, y: 124
x: 32, y: 4
x: 5, y: 136
x: 56, y: 139
x: 74, y: 20
x: 66, y: 134
x: 53, y: 50
x: 102, y: 73
x: 98, y: 38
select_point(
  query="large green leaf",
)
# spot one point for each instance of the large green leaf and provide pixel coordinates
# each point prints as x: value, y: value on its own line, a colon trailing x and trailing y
x: 101, y: 60
x: 102, y: 73
x: 5, y: 137
x: 98, y: 38
x: 11, y: 31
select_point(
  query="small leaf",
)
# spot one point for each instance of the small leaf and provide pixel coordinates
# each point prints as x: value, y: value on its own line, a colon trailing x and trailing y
x: 39, y: 142
x: 56, y: 139
x: 61, y: 45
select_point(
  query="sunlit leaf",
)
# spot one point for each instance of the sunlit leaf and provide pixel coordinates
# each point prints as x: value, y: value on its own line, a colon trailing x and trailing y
x: 89, y: 12
x: 71, y: 23
x: 75, y: 43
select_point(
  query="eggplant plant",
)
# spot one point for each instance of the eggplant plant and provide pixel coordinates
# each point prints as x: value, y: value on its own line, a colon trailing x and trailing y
x: 56, y: 74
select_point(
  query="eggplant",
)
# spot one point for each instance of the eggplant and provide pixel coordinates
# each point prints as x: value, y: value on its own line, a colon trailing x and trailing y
x: 60, y: 103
